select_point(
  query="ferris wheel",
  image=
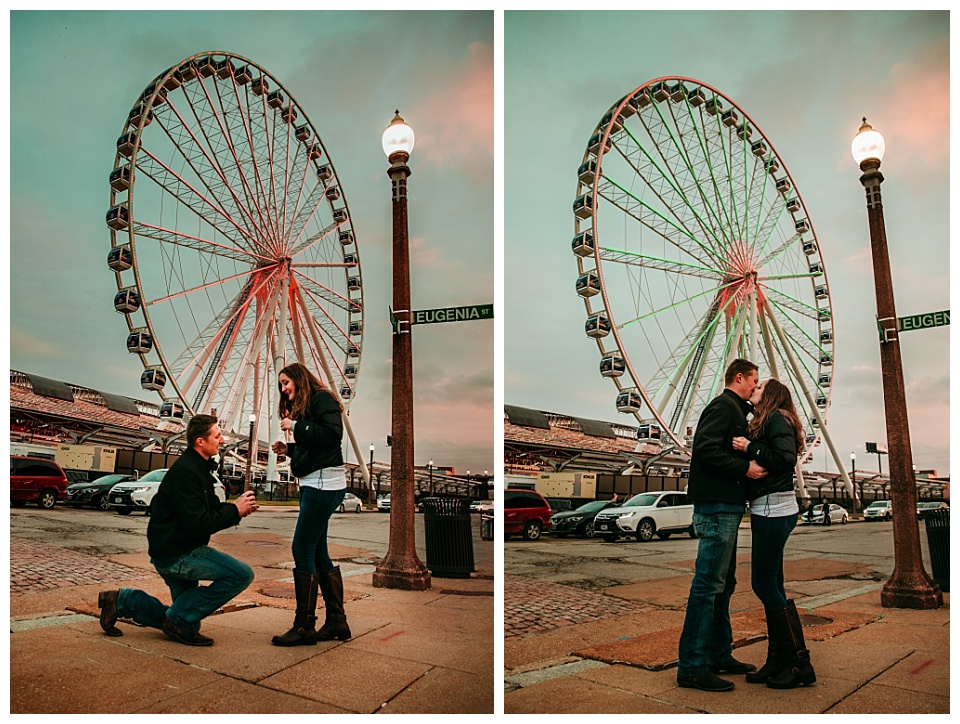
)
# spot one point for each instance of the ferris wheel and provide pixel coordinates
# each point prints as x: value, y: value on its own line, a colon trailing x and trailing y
x: 231, y: 242
x: 694, y: 247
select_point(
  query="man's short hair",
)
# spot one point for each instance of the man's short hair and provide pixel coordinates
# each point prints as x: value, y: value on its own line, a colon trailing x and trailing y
x: 199, y: 426
x: 738, y: 367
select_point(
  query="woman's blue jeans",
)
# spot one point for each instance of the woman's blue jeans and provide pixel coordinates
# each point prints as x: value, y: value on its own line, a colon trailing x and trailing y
x: 707, y: 637
x: 310, y: 536
x: 766, y: 560
x: 191, y: 601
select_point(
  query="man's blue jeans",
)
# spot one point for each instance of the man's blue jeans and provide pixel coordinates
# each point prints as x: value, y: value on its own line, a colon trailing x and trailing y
x: 707, y: 637
x: 191, y: 601
x: 766, y: 559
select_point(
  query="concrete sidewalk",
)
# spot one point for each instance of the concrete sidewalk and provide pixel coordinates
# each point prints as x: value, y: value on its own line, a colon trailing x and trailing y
x: 411, y: 652
x: 615, y: 650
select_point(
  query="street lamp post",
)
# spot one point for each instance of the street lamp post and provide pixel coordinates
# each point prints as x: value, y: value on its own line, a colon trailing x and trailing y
x: 853, y: 480
x: 401, y: 567
x: 251, y: 456
x: 909, y: 586
x: 430, y: 468
x: 371, y: 499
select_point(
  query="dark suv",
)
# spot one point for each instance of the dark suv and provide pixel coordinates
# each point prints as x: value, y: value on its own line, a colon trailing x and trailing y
x: 525, y: 511
x: 36, y: 480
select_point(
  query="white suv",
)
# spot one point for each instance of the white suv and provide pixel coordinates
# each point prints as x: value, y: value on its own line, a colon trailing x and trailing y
x: 138, y: 494
x: 878, y: 510
x: 647, y: 514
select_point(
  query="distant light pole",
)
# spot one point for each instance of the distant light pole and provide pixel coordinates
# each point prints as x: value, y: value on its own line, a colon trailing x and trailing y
x: 401, y: 567
x: 909, y: 585
x: 430, y: 468
x: 251, y: 456
x: 853, y: 480
x: 370, y: 496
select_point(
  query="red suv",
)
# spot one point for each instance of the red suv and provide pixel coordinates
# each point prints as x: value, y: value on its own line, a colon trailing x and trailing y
x: 36, y: 480
x: 525, y: 511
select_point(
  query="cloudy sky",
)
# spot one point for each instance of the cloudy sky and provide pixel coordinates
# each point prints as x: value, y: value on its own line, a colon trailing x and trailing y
x: 74, y: 78
x: 806, y: 79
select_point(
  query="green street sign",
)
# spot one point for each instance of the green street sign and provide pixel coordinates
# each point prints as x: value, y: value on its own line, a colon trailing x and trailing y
x: 453, y: 314
x: 923, y: 321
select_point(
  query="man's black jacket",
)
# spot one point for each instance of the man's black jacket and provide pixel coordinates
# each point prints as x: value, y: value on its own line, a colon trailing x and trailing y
x: 717, y: 471
x: 185, y: 512
x: 317, y: 437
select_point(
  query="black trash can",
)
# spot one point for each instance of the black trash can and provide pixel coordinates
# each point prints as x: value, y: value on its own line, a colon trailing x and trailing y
x: 938, y: 539
x: 448, y: 534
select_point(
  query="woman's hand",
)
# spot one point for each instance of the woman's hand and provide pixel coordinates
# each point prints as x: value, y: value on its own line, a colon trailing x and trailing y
x: 286, y: 424
x: 280, y: 448
x: 740, y: 443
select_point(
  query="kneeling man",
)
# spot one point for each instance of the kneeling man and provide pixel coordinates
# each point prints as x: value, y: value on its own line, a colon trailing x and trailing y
x: 183, y: 515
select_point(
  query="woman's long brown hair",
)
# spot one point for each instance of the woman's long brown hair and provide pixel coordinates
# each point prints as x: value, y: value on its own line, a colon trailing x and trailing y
x: 305, y: 384
x: 775, y: 397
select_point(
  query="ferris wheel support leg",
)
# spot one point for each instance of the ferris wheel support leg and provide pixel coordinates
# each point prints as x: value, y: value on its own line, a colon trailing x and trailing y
x: 752, y: 302
x: 279, y: 361
x: 768, y: 346
x: 253, y: 369
x: 810, y: 400
x: 734, y: 349
x: 318, y: 343
x: 700, y: 372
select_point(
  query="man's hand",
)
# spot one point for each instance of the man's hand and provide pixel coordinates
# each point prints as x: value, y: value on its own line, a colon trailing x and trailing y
x: 755, y: 470
x: 246, y: 504
x: 280, y: 447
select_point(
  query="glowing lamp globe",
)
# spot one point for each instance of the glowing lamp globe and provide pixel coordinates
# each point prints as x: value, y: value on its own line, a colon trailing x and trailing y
x: 867, y: 144
x: 398, y: 138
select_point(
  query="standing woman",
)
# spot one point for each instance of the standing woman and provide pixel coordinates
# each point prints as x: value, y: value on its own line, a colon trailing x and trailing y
x: 311, y: 416
x: 775, y: 439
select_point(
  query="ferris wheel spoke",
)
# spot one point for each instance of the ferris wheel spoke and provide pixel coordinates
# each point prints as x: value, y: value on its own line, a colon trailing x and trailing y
x: 784, y: 301
x: 664, y: 186
x: 300, y: 169
x: 230, y: 124
x: 317, y: 289
x: 629, y: 258
x: 327, y: 324
x: 299, y: 223
x: 655, y: 221
x: 217, y: 282
x: 324, y: 334
x: 682, y: 302
x: 189, y: 197
x: 786, y: 245
x: 797, y: 334
x: 205, y: 246
x: 204, y: 166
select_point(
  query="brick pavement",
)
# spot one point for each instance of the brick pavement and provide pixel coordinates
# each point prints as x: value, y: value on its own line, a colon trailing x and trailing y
x: 532, y: 606
x: 36, y: 566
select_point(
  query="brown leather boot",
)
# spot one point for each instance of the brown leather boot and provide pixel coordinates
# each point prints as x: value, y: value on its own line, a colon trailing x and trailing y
x: 303, y: 632
x: 331, y: 586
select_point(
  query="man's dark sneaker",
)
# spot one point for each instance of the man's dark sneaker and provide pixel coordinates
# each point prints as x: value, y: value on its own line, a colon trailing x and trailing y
x: 185, y: 634
x: 732, y: 667
x: 107, y: 601
x: 707, y: 681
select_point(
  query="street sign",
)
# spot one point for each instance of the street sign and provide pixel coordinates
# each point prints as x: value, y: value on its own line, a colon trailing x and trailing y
x: 453, y: 314
x: 923, y: 321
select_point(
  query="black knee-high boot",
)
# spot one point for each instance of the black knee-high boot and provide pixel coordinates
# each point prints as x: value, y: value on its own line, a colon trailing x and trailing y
x: 775, y: 656
x: 797, y: 670
x: 304, y: 631
x: 331, y: 588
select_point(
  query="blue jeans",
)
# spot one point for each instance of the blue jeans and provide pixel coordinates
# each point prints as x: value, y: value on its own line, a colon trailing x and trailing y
x: 310, y: 535
x: 707, y: 637
x: 766, y: 560
x: 191, y: 601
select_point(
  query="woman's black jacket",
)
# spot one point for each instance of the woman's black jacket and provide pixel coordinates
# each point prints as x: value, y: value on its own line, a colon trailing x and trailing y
x: 317, y: 437
x: 776, y: 450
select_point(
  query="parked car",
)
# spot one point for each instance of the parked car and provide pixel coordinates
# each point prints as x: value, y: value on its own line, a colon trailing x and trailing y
x: 36, y: 480
x: 526, y: 512
x: 351, y: 502
x: 383, y: 504
x: 579, y: 521
x: 930, y: 505
x: 95, y: 494
x: 481, y: 506
x: 815, y: 517
x: 879, y: 510
x: 138, y: 494
x: 647, y: 514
